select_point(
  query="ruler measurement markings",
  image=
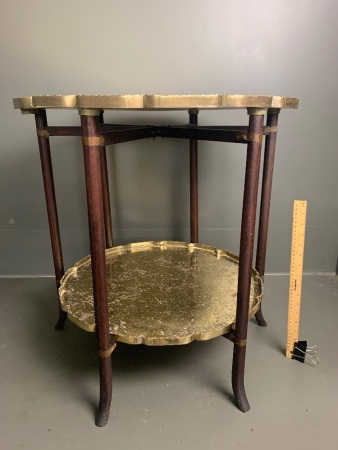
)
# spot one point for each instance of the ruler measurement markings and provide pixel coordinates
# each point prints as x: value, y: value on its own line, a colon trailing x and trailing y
x: 296, y: 271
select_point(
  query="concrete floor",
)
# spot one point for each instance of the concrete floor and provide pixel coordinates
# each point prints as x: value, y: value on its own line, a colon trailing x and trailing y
x: 167, y: 398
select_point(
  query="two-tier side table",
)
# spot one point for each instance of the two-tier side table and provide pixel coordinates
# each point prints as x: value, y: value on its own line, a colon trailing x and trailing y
x: 168, y: 292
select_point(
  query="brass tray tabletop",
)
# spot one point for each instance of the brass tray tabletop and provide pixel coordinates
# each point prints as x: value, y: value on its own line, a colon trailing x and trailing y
x: 154, y: 102
x: 161, y: 293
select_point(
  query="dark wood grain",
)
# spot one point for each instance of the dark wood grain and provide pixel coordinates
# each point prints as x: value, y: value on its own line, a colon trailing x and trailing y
x: 269, y: 158
x: 108, y: 226
x: 245, y: 261
x: 93, y: 172
x: 53, y: 221
x: 193, y: 118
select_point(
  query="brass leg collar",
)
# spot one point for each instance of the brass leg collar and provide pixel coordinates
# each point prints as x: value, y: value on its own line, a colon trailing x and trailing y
x: 238, y: 342
x: 106, y: 353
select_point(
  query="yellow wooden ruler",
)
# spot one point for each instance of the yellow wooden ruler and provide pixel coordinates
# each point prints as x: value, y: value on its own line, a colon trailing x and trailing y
x: 296, y: 273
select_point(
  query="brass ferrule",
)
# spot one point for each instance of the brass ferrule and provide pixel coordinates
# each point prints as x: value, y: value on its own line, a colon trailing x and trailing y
x: 257, y: 111
x: 89, y: 112
x: 93, y: 141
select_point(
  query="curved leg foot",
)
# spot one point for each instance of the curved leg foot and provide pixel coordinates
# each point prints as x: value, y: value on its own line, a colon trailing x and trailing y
x: 260, y: 318
x: 238, y: 365
x: 61, y: 322
x: 105, y: 392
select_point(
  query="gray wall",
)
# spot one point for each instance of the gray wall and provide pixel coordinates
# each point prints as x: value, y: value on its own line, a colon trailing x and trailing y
x: 281, y: 47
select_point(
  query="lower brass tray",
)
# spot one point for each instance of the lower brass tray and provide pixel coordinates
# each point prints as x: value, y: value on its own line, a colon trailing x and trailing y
x: 161, y: 293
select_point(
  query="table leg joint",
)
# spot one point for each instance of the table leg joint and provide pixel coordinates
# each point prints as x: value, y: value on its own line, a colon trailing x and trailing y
x: 231, y: 337
x: 109, y: 351
x: 42, y: 133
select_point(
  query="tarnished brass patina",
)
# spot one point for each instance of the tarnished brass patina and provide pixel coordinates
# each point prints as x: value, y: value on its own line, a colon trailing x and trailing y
x: 161, y: 293
x: 109, y: 351
x: 42, y: 133
x: 92, y: 140
x: 154, y: 102
x: 45, y: 101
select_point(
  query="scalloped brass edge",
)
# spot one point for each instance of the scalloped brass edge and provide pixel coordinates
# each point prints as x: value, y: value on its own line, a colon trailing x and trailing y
x: 155, y: 102
x: 158, y: 341
x: 45, y: 101
x: 72, y: 271
x: 111, y: 101
x: 153, y: 341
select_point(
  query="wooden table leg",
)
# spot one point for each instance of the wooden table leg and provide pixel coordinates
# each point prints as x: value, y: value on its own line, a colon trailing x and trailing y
x: 106, y: 197
x: 193, y: 180
x: 48, y: 182
x: 246, y: 255
x: 93, y: 172
x: 269, y: 158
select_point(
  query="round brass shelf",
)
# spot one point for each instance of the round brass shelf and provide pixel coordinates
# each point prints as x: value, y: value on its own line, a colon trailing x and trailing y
x: 161, y: 293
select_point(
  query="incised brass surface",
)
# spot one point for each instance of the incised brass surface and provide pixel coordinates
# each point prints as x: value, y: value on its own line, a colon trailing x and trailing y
x: 161, y: 293
x: 154, y: 102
